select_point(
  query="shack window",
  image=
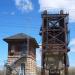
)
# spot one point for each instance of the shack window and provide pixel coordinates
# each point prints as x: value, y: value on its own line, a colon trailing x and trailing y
x: 23, y: 48
x: 12, y: 49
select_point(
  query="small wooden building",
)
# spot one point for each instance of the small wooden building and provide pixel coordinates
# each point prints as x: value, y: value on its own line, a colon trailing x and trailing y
x: 22, y: 54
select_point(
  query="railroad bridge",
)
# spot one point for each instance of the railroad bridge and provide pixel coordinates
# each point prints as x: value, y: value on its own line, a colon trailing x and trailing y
x: 55, y: 38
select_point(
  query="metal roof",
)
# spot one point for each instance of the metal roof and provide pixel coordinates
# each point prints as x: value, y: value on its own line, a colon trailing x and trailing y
x: 20, y: 36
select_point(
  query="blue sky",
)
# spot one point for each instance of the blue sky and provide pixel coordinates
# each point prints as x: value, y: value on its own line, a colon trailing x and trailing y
x: 17, y: 16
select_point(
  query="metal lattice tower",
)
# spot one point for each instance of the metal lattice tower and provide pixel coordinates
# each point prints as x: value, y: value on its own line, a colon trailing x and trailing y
x: 54, y: 32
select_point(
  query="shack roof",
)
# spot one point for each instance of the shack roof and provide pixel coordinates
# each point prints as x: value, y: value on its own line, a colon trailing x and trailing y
x: 20, y: 36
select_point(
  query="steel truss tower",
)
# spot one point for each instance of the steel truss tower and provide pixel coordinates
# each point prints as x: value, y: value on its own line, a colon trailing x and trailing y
x: 55, y: 39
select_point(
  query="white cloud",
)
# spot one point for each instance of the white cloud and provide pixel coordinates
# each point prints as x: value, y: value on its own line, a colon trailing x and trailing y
x: 72, y: 42
x: 12, y: 13
x: 24, y: 5
x: 72, y: 49
x: 72, y: 45
x: 67, y: 5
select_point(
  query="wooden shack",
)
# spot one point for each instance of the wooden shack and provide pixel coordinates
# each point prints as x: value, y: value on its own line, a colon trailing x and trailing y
x: 22, y: 54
